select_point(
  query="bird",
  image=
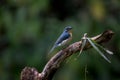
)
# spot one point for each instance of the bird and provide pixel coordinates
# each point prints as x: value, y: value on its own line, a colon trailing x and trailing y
x: 64, y: 38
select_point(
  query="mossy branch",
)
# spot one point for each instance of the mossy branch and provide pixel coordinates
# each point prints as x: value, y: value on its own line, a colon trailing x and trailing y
x: 54, y: 63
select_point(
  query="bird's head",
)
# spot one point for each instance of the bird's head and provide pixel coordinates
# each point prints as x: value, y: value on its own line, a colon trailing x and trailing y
x: 68, y: 28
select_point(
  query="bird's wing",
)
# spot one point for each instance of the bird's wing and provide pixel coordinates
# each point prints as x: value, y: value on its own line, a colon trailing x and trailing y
x: 64, y: 36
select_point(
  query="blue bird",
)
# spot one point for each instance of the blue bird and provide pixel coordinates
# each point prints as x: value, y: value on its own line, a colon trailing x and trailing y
x: 64, y: 38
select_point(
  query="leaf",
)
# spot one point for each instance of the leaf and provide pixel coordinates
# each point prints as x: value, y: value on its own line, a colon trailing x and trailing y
x: 97, y: 49
x: 102, y: 48
x: 84, y: 40
x: 83, y: 45
x: 108, y: 51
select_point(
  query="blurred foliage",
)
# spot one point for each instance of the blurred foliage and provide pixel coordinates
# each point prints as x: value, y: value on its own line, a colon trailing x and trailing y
x: 28, y: 29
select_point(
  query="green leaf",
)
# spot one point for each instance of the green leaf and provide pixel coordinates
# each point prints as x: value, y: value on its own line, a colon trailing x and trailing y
x: 102, y: 48
x: 97, y: 49
x: 83, y: 43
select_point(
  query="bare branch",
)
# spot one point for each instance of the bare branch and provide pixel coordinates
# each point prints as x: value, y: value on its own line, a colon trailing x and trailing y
x: 54, y: 63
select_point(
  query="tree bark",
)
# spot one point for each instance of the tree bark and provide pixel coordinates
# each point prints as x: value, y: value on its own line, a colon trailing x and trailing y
x: 54, y: 63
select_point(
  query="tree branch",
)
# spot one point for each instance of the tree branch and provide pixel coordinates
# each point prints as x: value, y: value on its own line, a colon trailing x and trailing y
x: 54, y: 63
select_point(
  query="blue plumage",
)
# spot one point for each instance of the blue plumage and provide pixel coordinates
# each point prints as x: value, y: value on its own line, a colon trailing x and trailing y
x: 64, y: 38
x: 65, y: 35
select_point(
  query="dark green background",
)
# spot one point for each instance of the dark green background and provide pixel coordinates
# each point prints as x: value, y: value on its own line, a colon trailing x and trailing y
x: 29, y: 28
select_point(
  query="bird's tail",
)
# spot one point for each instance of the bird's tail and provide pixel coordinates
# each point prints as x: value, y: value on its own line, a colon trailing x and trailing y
x: 52, y: 49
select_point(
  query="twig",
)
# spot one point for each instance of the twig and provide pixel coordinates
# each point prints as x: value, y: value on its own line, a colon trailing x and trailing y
x: 54, y: 63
